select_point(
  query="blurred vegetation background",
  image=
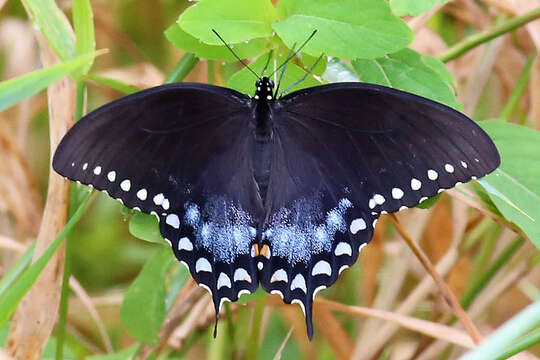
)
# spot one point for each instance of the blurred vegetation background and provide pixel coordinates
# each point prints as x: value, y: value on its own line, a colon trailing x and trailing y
x: 455, y: 233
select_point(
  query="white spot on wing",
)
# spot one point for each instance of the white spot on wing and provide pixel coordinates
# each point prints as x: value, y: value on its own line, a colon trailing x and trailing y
x: 299, y: 302
x: 203, y: 265
x: 142, y: 194
x: 166, y: 204
x: 357, y: 225
x: 173, y: 220
x: 397, y: 193
x: 277, y: 292
x: 97, y: 170
x: 371, y: 203
x: 299, y: 283
x: 317, y: 289
x: 416, y: 184
x: 158, y: 199
x: 85, y: 166
x: 432, y: 174
x: 464, y: 164
x: 223, y: 281
x: 322, y: 268
x: 449, y: 168
x: 343, y: 248
x: 185, y: 244
x: 241, y: 275
x: 279, y: 275
x: 111, y: 176
x: 379, y: 199
x: 125, y: 185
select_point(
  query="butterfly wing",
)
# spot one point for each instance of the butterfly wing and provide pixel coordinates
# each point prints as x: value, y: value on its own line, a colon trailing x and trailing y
x: 180, y: 152
x: 343, y: 154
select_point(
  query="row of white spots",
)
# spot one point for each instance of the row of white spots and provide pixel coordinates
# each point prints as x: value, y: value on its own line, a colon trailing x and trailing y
x: 416, y: 185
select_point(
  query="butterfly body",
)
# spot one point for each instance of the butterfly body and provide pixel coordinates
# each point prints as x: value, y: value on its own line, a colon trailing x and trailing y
x: 282, y: 192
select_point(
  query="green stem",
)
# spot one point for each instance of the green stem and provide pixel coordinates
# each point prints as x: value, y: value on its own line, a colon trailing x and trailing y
x: 64, y: 296
x: 182, y: 68
x: 507, y: 335
x: 524, y: 343
x: 10, y: 300
x: 485, y: 36
x: 81, y: 88
x: 16, y: 269
x: 470, y: 294
x: 520, y: 87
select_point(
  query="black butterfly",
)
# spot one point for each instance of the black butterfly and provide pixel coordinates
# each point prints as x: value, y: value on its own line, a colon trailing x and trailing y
x: 285, y: 191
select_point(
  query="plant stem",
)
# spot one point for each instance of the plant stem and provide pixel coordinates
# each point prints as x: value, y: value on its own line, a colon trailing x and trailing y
x: 81, y: 89
x: 495, y: 345
x: 182, y: 68
x: 64, y: 296
x: 524, y: 343
x: 520, y: 87
x: 448, y: 295
x: 485, y: 36
x: 472, y: 291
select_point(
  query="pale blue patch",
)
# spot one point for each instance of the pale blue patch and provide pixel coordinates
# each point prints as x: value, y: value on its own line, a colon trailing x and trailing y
x: 221, y: 228
x: 298, y: 232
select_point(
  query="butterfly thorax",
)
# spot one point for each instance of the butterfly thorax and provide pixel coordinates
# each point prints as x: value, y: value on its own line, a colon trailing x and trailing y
x: 263, y: 134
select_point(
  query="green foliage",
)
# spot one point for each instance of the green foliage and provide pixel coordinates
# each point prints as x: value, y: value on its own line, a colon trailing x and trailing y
x: 83, y: 23
x: 10, y: 300
x: 244, y: 81
x: 348, y: 29
x: 235, y: 20
x: 143, y: 309
x: 14, y: 90
x: 412, y: 7
x: 126, y: 354
x: 407, y: 70
x: 52, y: 22
x: 145, y: 227
x: 515, y: 187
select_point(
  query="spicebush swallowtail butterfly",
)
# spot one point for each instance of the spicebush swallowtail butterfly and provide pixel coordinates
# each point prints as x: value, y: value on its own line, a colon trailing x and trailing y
x: 281, y: 191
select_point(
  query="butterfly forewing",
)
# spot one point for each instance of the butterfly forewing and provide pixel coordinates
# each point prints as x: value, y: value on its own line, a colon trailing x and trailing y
x: 180, y: 152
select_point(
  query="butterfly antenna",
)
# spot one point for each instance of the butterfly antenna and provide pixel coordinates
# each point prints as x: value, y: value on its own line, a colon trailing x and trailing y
x: 296, y: 52
x: 283, y: 72
x: 303, y: 77
x: 236, y: 56
x: 267, y: 62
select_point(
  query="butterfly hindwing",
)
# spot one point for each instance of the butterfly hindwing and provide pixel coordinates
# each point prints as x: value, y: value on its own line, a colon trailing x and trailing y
x: 168, y: 151
x: 344, y: 154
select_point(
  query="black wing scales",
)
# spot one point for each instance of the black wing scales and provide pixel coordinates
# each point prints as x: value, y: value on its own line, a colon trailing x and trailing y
x: 345, y: 153
x: 168, y: 151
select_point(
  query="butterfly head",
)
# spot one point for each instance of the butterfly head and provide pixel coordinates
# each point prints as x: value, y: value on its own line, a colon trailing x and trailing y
x: 265, y: 88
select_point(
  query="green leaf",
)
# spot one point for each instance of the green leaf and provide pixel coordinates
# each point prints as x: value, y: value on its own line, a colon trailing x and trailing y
x: 338, y: 71
x: 347, y: 29
x: 9, y: 278
x: 126, y: 354
x: 235, y: 20
x: 10, y: 300
x: 83, y: 22
x: 412, y: 7
x: 145, y: 227
x: 185, y: 41
x: 143, y: 309
x: 515, y: 187
x: 14, y: 90
x: 407, y: 70
x: 244, y: 81
x: 506, y: 335
x: 114, y: 84
x: 53, y: 24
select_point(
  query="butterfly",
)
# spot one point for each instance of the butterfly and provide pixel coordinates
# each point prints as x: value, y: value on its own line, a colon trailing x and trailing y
x: 281, y: 191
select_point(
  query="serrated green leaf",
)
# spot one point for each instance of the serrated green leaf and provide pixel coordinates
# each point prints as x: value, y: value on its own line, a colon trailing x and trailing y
x: 144, y: 308
x: 412, y: 7
x: 52, y: 22
x: 515, y: 187
x: 235, y: 20
x: 244, y: 81
x: 145, y: 227
x: 185, y: 41
x: 349, y: 29
x: 14, y: 90
x: 406, y: 70
x: 83, y: 23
